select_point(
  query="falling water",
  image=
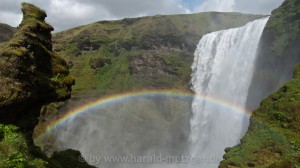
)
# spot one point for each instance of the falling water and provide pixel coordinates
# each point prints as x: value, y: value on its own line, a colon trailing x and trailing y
x: 222, y: 69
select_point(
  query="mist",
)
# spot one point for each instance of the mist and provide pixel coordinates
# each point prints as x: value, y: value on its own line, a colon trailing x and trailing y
x: 146, y: 130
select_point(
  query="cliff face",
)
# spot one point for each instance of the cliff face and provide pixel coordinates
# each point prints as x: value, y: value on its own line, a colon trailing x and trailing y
x: 31, y: 75
x: 279, y: 52
x: 138, y: 53
x: 273, y: 136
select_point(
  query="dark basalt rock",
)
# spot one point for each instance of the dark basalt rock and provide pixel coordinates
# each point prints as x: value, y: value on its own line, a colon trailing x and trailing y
x: 87, y: 45
x: 97, y: 63
x: 150, y: 65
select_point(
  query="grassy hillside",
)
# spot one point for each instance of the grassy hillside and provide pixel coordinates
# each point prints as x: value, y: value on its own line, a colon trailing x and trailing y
x: 138, y: 53
x: 6, y: 32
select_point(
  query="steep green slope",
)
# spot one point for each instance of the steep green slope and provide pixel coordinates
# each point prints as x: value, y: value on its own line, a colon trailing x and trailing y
x: 31, y: 75
x: 138, y: 53
x: 273, y: 136
x: 6, y: 32
x: 274, y: 133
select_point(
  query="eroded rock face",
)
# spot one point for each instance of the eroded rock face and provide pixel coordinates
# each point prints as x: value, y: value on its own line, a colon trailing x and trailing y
x: 30, y: 72
x: 97, y: 63
x: 278, y: 53
x: 150, y: 65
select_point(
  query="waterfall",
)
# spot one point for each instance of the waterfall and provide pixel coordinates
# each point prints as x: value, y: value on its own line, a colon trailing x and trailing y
x: 222, y: 72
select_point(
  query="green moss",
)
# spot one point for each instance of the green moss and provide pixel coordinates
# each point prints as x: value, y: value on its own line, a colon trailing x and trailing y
x: 20, y: 51
x: 68, y: 80
x: 15, y: 43
x: 29, y: 58
x: 284, y: 25
x: 31, y: 11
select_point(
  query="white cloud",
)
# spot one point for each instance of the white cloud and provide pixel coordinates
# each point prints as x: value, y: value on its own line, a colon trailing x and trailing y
x: 10, y: 18
x: 67, y: 14
x: 10, y: 5
x: 63, y: 14
x: 216, y: 5
x: 260, y: 6
x: 244, y: 6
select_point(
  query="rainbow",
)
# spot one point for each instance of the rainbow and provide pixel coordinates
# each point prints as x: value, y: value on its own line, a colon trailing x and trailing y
x: 115, y: 98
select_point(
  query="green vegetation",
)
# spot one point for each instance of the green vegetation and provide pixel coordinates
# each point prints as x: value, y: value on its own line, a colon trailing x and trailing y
x: 273, y: 137
x: 285, y: 25
x: 146, y: 52
x: 15, y: 152
x: 29, y: 57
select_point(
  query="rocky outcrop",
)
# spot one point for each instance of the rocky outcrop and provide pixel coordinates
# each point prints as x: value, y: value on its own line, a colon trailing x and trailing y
x: 278, y: 53
x: 97, y: 63
x: 87, y: 45
x: 30, y: 72
x: 150, y: 65
x: 31, y: 75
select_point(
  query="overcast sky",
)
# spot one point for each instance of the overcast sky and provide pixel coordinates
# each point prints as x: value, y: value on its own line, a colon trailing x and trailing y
x: 64, y: 14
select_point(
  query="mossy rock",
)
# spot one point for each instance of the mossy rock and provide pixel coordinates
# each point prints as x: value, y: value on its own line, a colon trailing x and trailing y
x: 28, y: 65
x: 31, y: 75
